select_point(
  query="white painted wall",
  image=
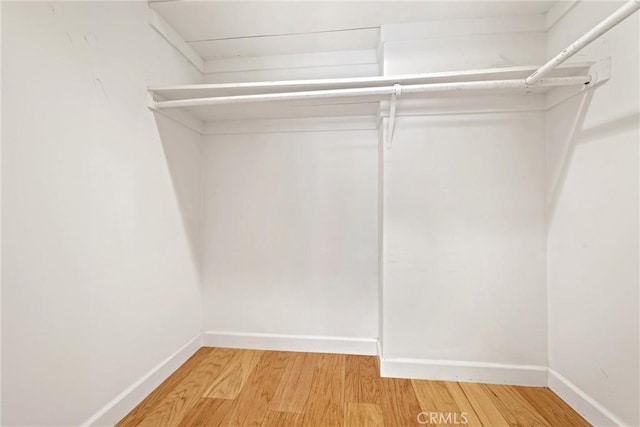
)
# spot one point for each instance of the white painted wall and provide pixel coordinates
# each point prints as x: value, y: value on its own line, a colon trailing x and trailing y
x: 290, y: 233
x: 593, y: 224
x: 319, y: 65
x: 464, y: 244
x: 463, y: 44
x: 464, y: 219
x: 99, y: 280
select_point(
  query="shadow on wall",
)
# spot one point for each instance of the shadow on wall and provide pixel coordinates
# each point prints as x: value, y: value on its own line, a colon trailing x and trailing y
x: 183, y: 149
x: 622, y: 124
x: 565, y: 135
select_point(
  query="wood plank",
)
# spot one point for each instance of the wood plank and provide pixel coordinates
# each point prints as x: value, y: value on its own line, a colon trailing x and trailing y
x: 552, y: 407
x: 163, y: 390
x: 282, y: 419
x: 325, y: 406
x: 172, y: 409
x: 488, y: 414
x: 363, y: 415
x: 362, y: 379
x: 434, y: 398
x: 208, y: 412
x: 399, y: 403
x: 351, y: 380
x: 294, y: 388
x: 254, y: 399
x: 463, y: 404
x: 513, y: 407
x: 229, y: 382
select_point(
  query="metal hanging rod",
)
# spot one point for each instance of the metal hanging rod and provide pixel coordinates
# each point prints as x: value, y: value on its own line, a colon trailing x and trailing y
x: 628, y: 9
x: 374, y: 91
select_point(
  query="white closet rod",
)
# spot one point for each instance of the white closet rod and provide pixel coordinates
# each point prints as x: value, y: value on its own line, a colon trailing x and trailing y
x: 614, y: 19
x: 370, y: 91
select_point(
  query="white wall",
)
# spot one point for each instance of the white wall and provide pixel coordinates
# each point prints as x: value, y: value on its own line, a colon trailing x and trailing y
x: 593, y: 224
x: 464, y: 221
x: 290, y: 233
x: 463, y: 44
x: 319, y: 65
x: 99, y: 280
x: 464, y: 247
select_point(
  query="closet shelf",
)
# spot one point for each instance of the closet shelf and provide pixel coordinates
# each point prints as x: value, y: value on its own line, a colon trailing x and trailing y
x: 358, y: 96
x: 251, y: 88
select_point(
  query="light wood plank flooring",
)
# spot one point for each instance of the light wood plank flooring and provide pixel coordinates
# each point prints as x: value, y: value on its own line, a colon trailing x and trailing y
x: 227, y: 387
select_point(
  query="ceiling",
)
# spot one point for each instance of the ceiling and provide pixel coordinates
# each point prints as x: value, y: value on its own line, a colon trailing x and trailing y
x: 236, y: 28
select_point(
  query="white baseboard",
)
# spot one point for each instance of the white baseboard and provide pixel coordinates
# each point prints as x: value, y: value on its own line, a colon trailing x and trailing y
x: 123, y: 403
x: 309, y: 343
x: 480, y: 372
x: 583, y: 404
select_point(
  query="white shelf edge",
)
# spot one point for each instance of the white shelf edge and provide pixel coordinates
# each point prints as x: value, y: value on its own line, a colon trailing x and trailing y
x: 382, y: 80
x: 216, y: 96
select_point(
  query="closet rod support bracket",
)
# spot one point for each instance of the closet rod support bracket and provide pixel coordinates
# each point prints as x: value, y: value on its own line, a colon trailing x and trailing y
x: 599, y: 72
x: 397, y: 91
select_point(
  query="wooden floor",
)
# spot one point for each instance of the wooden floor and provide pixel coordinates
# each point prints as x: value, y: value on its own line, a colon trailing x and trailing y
x: 225, y: 387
